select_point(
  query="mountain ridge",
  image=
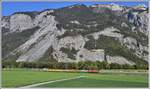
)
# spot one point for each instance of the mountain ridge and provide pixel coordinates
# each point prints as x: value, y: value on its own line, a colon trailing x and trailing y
x: 72, y: 32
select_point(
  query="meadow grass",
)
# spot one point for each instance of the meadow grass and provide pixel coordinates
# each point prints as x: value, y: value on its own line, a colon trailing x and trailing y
x: 104, y: 80
x: 19, y: 78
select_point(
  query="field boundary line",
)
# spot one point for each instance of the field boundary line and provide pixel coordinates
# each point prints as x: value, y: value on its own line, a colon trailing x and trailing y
x: 52, y: 81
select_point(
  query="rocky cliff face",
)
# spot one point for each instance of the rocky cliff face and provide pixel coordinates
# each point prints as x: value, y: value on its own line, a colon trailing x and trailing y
x: 111, y: 33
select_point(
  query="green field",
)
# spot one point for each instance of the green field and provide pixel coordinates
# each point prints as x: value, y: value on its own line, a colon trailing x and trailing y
x: 19, y: 78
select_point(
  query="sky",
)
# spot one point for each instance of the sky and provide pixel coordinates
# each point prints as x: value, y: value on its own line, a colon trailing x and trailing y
x: 9, y: 8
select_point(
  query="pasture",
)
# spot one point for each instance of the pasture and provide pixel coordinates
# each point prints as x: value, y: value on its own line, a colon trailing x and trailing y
x: 24, y: 77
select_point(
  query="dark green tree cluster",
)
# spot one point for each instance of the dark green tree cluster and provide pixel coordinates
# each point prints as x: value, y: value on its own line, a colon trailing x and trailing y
x: 82, y: 65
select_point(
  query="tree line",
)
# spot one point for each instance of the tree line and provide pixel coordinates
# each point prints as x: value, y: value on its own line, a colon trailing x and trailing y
x: 82, y: 65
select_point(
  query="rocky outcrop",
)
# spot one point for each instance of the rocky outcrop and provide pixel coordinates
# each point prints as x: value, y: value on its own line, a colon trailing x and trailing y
x: 20, y: 22
x: 118, y: 60
x: 110, y: 31
x: 91, y: 55
x: 140, y: 20
x: 39, y: 42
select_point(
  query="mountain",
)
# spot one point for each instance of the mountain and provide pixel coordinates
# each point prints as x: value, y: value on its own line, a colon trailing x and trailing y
x: 111, y: 33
